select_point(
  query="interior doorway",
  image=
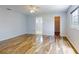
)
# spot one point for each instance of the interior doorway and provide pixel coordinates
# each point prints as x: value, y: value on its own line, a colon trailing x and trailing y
x: 57, y: 25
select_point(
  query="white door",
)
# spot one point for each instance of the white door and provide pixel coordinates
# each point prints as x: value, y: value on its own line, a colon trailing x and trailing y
x: 39, y: 25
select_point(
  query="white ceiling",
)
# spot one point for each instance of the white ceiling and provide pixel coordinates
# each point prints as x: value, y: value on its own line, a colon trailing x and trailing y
x: 42, y: 8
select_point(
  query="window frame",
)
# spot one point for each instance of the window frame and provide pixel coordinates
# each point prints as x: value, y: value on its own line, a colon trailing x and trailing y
x: 73, y: 24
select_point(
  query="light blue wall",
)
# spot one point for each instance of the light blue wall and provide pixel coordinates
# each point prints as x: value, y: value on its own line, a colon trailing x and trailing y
x: 31, y: 24
x: 72, y: 33
x: 12, y: 24
x: 48, y: 23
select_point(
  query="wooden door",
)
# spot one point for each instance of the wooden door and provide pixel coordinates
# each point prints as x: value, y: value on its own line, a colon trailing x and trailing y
x: 57, y: 25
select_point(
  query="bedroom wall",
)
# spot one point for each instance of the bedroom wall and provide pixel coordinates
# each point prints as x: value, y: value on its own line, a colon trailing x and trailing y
x: 48, y: 23
x: 12, y: 24
x: 72, y: 33
x: 31, y: 24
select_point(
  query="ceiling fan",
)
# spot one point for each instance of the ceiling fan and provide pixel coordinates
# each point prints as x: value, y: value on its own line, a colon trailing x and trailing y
x: 33, y: 8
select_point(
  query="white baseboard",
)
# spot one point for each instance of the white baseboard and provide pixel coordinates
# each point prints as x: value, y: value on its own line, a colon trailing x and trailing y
x: 12, y: 36
x: 72, y: 43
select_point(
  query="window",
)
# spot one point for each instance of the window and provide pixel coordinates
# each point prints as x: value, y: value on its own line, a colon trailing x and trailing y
x: 75, y: 18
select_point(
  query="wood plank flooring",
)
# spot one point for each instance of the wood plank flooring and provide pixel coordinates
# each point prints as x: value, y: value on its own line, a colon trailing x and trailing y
x: 35, y: 44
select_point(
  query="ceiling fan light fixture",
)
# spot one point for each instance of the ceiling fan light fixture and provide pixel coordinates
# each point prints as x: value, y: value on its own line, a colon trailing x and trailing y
x: 32, y: 11
x: 33, y: 8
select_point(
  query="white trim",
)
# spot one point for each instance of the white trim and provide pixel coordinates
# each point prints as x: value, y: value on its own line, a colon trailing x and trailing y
x: 12, y: 36
x: 72, y: 43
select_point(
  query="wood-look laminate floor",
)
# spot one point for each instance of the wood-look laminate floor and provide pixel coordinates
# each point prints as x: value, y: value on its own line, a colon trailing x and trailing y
x: 35, y: 44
